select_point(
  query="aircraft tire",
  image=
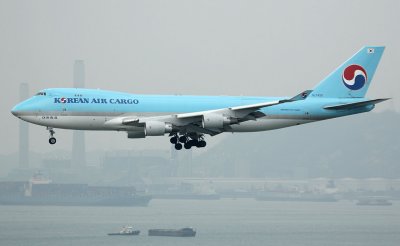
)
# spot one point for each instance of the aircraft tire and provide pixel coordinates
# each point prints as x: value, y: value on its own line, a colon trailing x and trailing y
x: 194, y: 142
x: 201, y: 144
x: 183, y: 139
x: 178, y: 146
x: 174, y: 140
x: 188, y: 145
x: 52, y: 140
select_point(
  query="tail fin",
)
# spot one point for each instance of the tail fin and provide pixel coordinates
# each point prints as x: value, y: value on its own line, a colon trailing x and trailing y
x: 353, y: 77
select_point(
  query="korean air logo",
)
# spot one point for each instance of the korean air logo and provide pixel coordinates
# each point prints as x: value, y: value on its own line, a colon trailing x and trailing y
x: 63, y: 100
x: 354, y: 77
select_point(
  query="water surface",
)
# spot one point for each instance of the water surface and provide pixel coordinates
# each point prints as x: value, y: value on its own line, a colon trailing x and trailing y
x: 221, y: 222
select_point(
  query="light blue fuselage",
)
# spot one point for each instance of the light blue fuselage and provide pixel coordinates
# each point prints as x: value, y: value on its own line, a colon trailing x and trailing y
x: 90, y: 109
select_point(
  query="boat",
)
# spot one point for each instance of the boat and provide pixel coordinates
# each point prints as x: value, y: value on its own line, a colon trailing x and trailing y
x: 184, y: 232
x: 183, y: 196
x: 373, y: 201
x: 186, y: 191
x: 42, y: 191
x: 125, y: 231
x: 295, y: 197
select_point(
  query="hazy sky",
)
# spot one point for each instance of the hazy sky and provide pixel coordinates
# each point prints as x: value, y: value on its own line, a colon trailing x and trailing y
x: 226, y: 47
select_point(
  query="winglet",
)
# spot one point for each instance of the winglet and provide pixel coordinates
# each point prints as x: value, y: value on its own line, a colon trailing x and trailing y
x: 298, y: 97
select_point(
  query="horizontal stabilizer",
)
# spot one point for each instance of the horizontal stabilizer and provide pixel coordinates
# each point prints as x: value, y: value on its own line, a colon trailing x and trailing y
x: 356, y: 104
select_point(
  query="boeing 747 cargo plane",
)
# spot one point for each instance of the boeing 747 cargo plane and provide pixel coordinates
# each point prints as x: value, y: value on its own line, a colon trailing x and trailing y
x: 187, y: 119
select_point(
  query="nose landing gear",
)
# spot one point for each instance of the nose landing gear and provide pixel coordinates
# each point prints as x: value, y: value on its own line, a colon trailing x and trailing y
x: 52, y: 139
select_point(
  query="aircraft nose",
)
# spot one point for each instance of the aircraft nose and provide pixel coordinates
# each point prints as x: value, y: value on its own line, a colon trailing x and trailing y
x: 16, y: 110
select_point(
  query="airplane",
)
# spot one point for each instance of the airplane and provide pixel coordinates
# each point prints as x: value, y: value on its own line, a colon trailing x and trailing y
x: 188, y: 119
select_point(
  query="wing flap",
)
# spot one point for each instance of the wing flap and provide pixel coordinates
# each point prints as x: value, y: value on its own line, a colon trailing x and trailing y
x: 191, y: 120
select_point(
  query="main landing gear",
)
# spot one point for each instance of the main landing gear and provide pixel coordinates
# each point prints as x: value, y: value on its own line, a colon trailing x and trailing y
x: 187, y: 141
x: 52, y: 139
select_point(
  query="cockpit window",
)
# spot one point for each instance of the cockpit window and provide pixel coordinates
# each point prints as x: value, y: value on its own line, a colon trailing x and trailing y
x: 41, y: 93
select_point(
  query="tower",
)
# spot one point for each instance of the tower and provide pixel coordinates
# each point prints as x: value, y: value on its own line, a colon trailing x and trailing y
x: 23, y: 131
x: 78, y: 142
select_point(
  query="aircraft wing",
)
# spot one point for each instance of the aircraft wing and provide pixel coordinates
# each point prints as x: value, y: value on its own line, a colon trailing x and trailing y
x: 241, y: 111
x: 238, y: 111
x: 209, y: 122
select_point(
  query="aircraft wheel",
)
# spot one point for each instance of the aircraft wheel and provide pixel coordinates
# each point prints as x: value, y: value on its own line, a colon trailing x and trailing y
x: 188, y: 145
x: 202, y: 144
x: 183, y: 139
x: 174, y: 140
x: 178, y: 146
x: 52, y: 140
x: 194, y: 142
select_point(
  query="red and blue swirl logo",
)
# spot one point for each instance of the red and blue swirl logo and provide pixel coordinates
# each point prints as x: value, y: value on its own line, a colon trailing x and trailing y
x: 354, y: 77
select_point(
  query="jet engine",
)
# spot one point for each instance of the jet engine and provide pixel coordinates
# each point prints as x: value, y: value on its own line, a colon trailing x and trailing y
x: 216, y: 121
x: 151, y: 128
x: 157, y: 128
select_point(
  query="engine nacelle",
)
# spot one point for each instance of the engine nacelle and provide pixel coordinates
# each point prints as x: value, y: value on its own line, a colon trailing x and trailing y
x: 137, y: 134
x: 215, y: 121
x: 157, y: 128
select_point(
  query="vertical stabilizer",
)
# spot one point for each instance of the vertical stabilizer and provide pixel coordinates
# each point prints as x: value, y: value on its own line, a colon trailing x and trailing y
x: 353, y: 77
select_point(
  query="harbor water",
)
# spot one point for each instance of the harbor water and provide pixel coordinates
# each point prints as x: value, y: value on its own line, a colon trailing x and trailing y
x: 217, y: 222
